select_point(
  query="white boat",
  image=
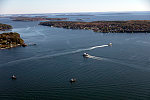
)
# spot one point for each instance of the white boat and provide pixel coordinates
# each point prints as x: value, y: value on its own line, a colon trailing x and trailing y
x: 85, y: 55
x: 13, y: 77
x: 110, y: 44
x: 72, y: 80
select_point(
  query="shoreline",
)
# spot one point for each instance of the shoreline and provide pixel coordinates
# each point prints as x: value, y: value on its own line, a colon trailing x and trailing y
x: 131, y: 26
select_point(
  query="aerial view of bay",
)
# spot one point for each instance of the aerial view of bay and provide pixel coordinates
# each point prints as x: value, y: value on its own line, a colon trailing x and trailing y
x: 48, y: 59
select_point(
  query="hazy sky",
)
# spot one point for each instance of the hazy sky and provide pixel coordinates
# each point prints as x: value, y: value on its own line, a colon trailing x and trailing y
x: 60, y: 6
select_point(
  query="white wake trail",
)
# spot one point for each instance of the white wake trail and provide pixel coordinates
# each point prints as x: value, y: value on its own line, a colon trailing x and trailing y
x: 98, y: 47
x: 94, y: 57
x: 87, y: 49
x: 119, y: 62
x: 59, y: 54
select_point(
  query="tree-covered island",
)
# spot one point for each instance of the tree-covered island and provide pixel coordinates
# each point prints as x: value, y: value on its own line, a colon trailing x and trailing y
x: 10, y: 40
x: 4, y: 27
x: 132, y: 26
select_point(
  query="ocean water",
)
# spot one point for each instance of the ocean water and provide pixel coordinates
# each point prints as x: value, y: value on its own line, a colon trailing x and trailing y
x: 118, y: 72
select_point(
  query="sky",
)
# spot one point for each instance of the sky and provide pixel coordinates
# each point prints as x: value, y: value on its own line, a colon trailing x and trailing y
x: 70, y: 6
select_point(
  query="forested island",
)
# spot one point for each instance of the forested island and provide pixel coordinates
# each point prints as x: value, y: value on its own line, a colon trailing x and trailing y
x: 10, y: 40
x: 132, y: 26
x: 35, y: 19
x: 4, y: 27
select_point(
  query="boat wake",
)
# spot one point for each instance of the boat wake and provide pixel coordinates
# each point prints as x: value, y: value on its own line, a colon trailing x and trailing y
x: 94, y: 57
x: 113, y: 60
x: 120, y: 62
x: 97, y: 47
x: 58, y: 54
x: 28, y: 28
x: 88, y: 49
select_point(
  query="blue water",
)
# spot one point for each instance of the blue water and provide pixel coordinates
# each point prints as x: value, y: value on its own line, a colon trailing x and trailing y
x: 119, y: 72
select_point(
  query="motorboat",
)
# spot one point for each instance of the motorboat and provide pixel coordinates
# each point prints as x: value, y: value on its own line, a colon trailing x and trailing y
x: 110, y: 44
x: 14, y: 77
x: 72, y: 80
x: 85, y: 54
x: 32, y: 44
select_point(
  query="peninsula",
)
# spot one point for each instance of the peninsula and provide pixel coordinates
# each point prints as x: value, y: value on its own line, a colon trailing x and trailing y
x: 35, y: 19
x: 131, y: 26
x: 4, y: 27
x: 10, y: 40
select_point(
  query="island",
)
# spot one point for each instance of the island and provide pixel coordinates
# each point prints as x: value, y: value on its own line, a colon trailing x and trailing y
x: 131, y: 26
x: 35, y: 19
x: 4, y: 27
x: 74, y: 15
x: 10, y: 40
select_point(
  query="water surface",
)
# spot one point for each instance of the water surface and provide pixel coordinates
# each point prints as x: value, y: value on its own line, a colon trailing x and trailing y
x: 121, y: 71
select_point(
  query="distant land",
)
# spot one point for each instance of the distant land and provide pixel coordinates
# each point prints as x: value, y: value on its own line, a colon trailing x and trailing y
x: 74, y: 15
x: 10, y: 40
x: 132, y: 26
x: 35, y: 19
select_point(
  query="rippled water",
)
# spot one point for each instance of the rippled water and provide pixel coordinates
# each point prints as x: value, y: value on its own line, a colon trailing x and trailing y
x: 121, y: 71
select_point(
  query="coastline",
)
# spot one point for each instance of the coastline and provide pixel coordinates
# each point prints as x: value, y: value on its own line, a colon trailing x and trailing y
x: 131, y: 26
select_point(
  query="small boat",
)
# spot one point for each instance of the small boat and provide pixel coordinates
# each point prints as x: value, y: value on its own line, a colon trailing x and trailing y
x: 31, y: 44
x: 85, y: 55
x: 72, y: 80
x: 110, y: 44
x: 14, y: 77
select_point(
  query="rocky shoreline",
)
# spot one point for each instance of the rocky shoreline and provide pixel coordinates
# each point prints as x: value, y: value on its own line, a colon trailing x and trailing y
x: 132, y: 26
x: 11, y: 40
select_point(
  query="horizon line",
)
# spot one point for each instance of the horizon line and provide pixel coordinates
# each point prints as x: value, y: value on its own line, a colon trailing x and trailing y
x: 72, y: 12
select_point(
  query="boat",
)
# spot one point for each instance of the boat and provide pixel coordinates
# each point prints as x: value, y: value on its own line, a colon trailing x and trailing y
x: 85, y: 55
x: 31, y: 44
x: 14, y: 77
x: 72, y: 80
x: 110, y: 44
